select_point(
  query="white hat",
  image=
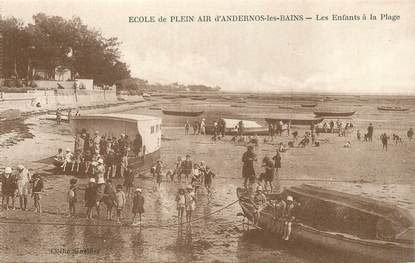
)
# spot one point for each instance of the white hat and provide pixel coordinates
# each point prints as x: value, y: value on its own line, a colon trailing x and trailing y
x: 100, y: 160
x: 189, y: 186
x: 8, y: 170
x: 138, y: 190
x: 20, y: 167
x: 290, y: 198
x: 96, y: 132
x: 94, y: 163
x: 259, y: 188
x: 68, y: 150
x: 92, y: 180
x: 101, y: 181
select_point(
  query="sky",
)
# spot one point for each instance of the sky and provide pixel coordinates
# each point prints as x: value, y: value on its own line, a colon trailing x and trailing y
x: 356, y: 57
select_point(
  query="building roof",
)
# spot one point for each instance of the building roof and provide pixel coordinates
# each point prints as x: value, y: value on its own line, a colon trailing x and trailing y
x: 121, y: 117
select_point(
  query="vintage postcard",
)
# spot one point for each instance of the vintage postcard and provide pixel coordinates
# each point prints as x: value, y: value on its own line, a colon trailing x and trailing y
x: 207, y: 131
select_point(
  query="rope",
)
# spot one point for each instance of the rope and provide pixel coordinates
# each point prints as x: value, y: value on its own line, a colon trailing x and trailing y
x: 15, y: 222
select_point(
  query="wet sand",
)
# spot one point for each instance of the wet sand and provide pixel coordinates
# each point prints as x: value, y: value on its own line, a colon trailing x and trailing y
x: 218, y: 237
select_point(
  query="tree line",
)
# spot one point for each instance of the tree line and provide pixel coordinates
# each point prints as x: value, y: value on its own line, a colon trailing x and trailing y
x: 51, y: 41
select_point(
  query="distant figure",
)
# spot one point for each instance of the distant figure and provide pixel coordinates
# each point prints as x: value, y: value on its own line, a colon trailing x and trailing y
x: 90, y: 197
x: 109, y: 198
x: 181, y: 204
x: 69, y: 115
x: 222, y: 127
x: 347, y: 145
x: 370, y: 132
x: 384, y: 138
x: 190, y: 199
x: 128, y: 181
x: 203, y: 127
x: 410, y: 134
x: 23, y: 183
x: 187, y: 167
x: 138, y: 207
x: 359, y: 135
x: 288, y: 128
x: 8, y: 187
x: 186, y: 128
x: 277, y: 166
x: 269, y: 172
x: 137, y: 145
x: 240, y: 128
x: 195, y: 127
x: 248, y: 171
x: 58, y: 116
x: 177, y: 170
x: 120, y: 202
x: 288, y: 217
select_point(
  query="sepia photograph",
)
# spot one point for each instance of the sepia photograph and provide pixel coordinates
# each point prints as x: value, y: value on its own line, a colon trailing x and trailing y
x: 207, y: 131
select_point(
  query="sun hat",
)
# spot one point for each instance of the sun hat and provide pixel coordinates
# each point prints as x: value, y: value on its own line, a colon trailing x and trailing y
x: 8, y: 170
x: 138, y: 190
x: 189, y: 187
x: 259, y: 188
x: 290, y: 198
x: 92, y: 180
x: 100, y: 160
x: 68, y: 150
x: 20, y: 167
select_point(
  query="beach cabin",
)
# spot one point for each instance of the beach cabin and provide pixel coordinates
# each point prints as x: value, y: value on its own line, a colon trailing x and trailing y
x: 132, y: 125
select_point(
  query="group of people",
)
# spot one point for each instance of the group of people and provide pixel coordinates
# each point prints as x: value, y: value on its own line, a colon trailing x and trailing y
x: 332, y: 126
x: 199, y: 127
x: 20, y: 184
x: 107, y: 153
x: 277, y: 128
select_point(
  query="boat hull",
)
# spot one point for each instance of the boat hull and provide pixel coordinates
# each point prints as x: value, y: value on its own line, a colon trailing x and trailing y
x: 350, y: 245
x: 333, y: 114
x: 183, y: 113
x: 393, y: 109
x: 295, y: 121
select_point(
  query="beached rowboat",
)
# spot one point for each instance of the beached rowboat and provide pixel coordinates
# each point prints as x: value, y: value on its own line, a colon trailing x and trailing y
x: 334, y: 113
x: 198, y: 98
x: 343, y: 222
x: 308, y: 105
x: 183, y: 113
x: 388, y: 108
x: 295, y: 119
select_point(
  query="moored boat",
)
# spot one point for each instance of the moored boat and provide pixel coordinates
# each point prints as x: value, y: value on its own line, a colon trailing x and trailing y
x: 286, y: 107
x: 339, y: 221
x: 186, y: 113
x: 388, y: 108
x: 334, y: 113
x: 312, y: 105
x: 198, y: 98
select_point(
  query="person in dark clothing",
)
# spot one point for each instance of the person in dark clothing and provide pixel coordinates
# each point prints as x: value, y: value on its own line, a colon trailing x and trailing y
x: 208, y: 178
x: 331, y: 126
x: 187, y: 167
x: 128, y: 180
x: 277, y: 165
x: 137, y: 144
x: 109, y: 198
x: 370, y: 132
x: 72, y: 197
x: 90, y: 197
x: 410, y: 134
x: 384, y: 138
x: 222, y: 127
x: 8, y: 188
x: 269, y: 172
x: 248, y: 171
x: 138, y: 207
x: 36, y: 191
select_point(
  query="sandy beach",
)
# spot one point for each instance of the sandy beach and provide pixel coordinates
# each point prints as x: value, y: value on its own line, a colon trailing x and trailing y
x: 364, y: 169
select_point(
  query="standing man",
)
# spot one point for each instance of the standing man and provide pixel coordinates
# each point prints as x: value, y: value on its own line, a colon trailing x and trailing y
x: 187, y: 167
x: 277, y: 165
x: 248, y: 171
x: 58, y: 116
x: 370, y: 132
x: 410, y: 134
x: 23, y: 184
x: 7, y: 188
x: 384, y: 138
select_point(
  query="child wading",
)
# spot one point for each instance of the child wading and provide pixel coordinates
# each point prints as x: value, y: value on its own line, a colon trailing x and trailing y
x: 190, y: 203
x: 138, y: 206
x: 181, y: 204
x: 120, y: 202
x: 72, y: 196
x: 90, y: 197
x: 36, y: 191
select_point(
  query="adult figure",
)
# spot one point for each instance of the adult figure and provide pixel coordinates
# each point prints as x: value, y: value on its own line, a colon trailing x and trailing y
x: 187, y: 167
x: 109, y: 198
x: 96, y: 141
x: 23, y: 185
x: 248, y: 159
x: 222, y: 126
x: 186, y: 128
x: 384, y: 138
x: 190, y: 199
x: 90, y: 197
x: 58, y: 116
x: 410, y: 134
x: 277, y: 166
x: 241, y: 128
x: 203, y: 127
x: 7, y: 188
x: 137, y: 144
x: 370, y: 132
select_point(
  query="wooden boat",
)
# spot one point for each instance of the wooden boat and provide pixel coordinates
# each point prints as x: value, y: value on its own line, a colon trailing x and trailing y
x: 183, y: 113
x: 286, y: 107
x: 10, y: 114
x: 388, y: 108
x: 226, y: 98
x: 250, y: 127
x: 198, y: 98
x: 339, y: 221
x: 237, y: 105
x: 155, y: 108
x: 309, y: 105
x: 132, y: 125
x: 334, y: 113
x: 295, y: 119
x: 51, y: 117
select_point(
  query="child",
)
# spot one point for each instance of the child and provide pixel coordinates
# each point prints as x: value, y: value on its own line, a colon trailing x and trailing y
x: 181, y: 204
x: 209, y: 175
x: 138, y: 206
x: 190, y: 203
x: 90, y: 197
x: 36, y: 191
x: 72, y: 196
x: 178, y: 169
x: 68, y: 159
x: 158, y: 173
x: 128, y: 180
x: 120, y: 202
x: 109, y: 198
